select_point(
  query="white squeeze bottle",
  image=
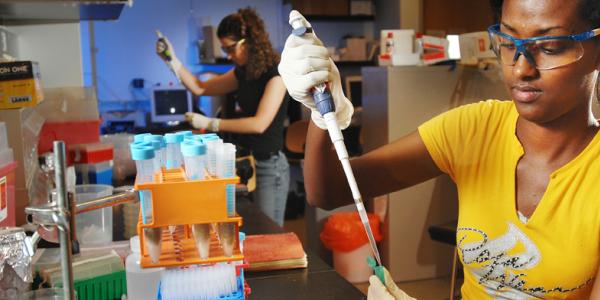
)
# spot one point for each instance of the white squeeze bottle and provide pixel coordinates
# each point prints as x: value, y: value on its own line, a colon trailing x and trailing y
x: 142, y: 284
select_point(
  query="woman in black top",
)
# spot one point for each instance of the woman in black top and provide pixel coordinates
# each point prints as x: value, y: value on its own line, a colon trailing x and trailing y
x: 261, y: 97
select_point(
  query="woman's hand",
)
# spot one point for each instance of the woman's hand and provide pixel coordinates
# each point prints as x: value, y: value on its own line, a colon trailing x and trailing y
x: 166, y: 52
x: 305, y: 63
x: 199, y: 121
x: 389, y: 291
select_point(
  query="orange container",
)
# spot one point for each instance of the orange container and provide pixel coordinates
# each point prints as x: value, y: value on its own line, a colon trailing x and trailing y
x: 7, y: 195
x: 177, y: 201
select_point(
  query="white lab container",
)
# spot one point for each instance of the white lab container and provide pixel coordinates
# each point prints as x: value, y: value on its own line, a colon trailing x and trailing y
x: 94, y: 228
x: 142, y: 284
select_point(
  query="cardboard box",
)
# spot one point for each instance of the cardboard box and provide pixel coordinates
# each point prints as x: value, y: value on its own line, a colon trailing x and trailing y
x: 20, y: 84
x: 474, y: 46
x: 356, y: 49
x: 361, y: 7
x: 401, y: 41
x: 435, y: 49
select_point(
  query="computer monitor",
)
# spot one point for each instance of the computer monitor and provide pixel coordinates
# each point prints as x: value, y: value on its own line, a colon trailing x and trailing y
x: 169, y: 104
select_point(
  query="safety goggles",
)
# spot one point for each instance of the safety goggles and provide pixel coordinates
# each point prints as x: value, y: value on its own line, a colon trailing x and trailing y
x: 231, y: 48
x: 543, y: 52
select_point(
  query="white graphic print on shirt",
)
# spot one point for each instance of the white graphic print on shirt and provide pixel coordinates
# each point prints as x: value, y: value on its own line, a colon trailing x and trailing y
x: 497, y: 268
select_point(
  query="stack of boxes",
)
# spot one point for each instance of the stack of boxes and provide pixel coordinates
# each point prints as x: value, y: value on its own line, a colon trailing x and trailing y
x: 20, y: 95
x: 69, y: 114
x: 93, y: 163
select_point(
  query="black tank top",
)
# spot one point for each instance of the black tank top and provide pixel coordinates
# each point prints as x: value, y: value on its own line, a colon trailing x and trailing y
x: 248, y: 97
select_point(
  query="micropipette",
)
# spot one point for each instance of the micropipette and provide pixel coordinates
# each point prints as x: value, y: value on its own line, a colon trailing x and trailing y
x: 326, y: 108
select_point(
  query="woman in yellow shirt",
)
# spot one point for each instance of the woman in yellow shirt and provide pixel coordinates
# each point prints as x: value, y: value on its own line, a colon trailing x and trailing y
x: 526, y: 170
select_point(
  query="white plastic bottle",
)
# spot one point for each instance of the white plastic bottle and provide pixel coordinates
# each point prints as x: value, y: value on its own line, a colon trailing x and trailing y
x: 142, y: 284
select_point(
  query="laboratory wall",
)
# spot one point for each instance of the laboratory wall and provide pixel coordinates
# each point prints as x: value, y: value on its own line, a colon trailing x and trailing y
x: 57, y: 49
x: 125, y: 48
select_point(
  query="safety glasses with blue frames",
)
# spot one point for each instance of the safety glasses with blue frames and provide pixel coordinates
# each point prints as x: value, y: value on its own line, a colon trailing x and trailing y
x: 231, y: 48
x: 543, y: 52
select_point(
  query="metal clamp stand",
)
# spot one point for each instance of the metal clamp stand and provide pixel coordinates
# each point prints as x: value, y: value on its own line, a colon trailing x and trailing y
x: 59, y: 214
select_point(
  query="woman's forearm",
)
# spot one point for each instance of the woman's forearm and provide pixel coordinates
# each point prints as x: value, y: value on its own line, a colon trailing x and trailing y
x: 190, y: 81
x: 250, y: 125
x: 323, y: 174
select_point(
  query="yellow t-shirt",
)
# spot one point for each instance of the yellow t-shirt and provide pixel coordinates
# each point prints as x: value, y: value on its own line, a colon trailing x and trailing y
x: 555, y: 253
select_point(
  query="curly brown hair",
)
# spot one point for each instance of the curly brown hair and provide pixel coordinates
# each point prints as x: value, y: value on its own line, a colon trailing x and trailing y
x: 246, y: 24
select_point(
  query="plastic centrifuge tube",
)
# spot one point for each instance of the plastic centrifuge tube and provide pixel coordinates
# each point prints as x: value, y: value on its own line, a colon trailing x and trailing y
x: 201, y: 234
x: 143, y: 155
x: 161, y: 150
x: 226, y: 169
x: 173, y: 141
x: 213, y: 144
x: 227, y: 237
x: 193, y: 156
x: 157, y: 154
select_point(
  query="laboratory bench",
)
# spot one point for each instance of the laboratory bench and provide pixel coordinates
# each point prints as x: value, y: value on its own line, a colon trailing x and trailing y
x: 317, y: 282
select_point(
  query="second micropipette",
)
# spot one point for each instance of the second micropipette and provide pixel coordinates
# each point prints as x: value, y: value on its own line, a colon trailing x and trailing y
x: 325, y: 105
x: 167, y: 53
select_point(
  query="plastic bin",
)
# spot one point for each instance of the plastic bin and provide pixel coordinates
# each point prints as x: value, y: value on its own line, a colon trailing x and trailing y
x: 94, y: 228
x: 344, y: 234
x: 73, y: 132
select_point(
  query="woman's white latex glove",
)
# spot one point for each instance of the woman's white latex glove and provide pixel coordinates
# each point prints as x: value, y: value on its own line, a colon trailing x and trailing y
x: 199, y: 121
x: 305, y: 63
x: 166, y: 52
x: 389, y: 291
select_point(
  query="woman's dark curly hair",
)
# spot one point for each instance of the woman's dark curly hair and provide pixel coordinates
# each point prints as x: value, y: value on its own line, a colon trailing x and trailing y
x: 589, y: 10
x: 246, y: 24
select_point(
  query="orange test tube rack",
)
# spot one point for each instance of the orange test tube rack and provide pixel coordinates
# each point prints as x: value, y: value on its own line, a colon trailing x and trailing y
x: 177, y: 201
